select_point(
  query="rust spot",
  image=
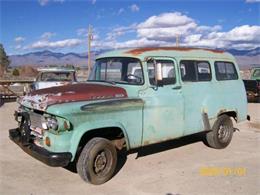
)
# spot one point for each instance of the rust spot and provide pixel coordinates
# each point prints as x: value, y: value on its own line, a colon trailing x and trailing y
x: 119, y: 143
x: 80, y: 92
x: 139, y: 51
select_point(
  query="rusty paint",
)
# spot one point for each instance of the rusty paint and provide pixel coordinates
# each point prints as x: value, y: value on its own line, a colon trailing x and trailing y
x: 78, y: 92
x: 119, y: 143
x: 139, y: 51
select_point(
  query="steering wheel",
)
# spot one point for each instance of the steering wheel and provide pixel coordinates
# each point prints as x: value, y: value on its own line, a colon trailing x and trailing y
x: 134, y: 77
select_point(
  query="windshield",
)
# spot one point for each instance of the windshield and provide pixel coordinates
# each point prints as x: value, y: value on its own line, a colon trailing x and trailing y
x: 256, y: 73
x: 56, y: 76
x: 122, y: 70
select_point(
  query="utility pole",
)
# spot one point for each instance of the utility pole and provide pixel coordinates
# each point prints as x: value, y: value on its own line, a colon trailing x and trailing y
x: 90, y: 38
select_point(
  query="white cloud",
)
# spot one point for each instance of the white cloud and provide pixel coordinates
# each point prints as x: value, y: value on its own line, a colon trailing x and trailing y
x: 45, y: 2
x: 47, y: 35
x: 44, y: 44
x: 241, y: 37
x: 119, y: 31
x: 164, y: 27
x: 120, y: 11
x: 19, y: 39
x: 17, y: 47
x: 134, y: 8
x: 244, y: 33
x: 252, y: 1
x: 82, y: 32
x: 93, y: 1
x: 165, y: 20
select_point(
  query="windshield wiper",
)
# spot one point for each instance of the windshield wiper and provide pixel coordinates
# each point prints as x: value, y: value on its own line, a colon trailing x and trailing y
x: 104, y: 81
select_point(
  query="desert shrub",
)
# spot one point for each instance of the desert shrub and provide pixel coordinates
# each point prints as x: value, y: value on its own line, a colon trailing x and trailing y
x: 28, y: 71
x: 16, y: 72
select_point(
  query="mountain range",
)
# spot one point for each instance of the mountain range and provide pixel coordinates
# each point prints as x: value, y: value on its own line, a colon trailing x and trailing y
x: 245, y: 58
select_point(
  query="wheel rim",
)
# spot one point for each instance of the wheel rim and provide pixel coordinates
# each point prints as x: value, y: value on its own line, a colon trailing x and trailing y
x: 102, y: 163
x: 223, y: 133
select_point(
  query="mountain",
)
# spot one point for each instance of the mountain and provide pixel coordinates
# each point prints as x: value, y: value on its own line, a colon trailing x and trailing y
x: 42, y: 58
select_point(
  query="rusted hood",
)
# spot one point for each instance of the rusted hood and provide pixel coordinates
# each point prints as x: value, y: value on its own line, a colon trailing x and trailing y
x: 41, y: 99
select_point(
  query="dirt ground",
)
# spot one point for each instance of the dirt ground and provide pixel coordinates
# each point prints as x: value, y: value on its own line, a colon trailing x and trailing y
x: 184, y: 166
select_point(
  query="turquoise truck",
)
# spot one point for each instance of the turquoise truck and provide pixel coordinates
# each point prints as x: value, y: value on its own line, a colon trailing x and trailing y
x: 176, y: 92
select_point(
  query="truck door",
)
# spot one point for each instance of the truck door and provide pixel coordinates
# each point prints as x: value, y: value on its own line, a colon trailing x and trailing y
x: 164, y: 106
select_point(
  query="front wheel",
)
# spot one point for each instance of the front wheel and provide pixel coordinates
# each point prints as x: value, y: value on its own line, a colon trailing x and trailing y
x: 221, y: 134
x: 97, y: 161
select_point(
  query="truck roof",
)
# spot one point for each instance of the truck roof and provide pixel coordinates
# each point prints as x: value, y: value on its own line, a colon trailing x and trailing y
x: 142, y: 53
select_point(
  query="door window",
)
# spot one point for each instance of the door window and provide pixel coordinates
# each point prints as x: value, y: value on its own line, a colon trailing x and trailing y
x: 168, y: 72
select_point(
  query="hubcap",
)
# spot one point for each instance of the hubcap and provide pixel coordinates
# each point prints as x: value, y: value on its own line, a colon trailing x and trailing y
x: 223, y: 133
x: 100, y: 162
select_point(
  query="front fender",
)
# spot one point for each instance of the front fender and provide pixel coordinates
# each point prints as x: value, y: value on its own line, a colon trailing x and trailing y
x: 86, y: 127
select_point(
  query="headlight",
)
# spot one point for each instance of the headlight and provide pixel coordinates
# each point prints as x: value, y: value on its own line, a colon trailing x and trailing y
x: 50, y: 123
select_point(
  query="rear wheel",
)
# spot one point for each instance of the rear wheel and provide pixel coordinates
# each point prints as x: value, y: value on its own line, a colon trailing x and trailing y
x: 221, y: 134
x: 97, y: 161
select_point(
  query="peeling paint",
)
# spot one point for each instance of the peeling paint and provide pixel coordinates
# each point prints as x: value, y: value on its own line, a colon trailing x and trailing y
x: 41, y: 99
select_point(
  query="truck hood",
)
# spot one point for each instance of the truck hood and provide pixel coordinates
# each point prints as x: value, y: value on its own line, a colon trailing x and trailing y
x: 41, y: 99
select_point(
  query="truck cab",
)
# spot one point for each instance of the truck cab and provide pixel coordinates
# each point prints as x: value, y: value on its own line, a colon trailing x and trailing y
x: 133, y: 98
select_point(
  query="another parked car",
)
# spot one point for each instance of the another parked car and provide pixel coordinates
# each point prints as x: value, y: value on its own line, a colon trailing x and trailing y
x: 88, y: 123
x: 50, y: 77
x: 253, y: 85
x: 255, y: 73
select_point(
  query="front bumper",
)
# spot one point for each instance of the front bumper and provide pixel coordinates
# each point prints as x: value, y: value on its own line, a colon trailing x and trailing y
x: 49, y: 158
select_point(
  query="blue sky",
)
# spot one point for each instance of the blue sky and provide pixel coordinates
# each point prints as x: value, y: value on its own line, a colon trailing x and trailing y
x: 61, y: 25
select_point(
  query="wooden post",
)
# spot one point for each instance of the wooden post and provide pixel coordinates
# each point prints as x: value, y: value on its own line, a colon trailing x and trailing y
x: 90, y: 37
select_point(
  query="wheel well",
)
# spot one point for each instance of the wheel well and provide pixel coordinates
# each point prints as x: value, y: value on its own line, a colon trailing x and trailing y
x: 114, y: 134
x: 232, y: 114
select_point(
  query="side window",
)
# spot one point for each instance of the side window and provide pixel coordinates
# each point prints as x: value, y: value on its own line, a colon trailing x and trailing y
x: 168, y: 72
x: 225, y: 71
x: 188, y: 70
x: 192, y: 71
x: 204, y: 73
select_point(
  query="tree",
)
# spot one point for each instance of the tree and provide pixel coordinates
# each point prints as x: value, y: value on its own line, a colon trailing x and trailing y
x: 4, y: 60
x: 16, y: 72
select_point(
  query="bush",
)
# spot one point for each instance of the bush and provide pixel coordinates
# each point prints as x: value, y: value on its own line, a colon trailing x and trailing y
x: 16, y: 72
x: 28, y: 71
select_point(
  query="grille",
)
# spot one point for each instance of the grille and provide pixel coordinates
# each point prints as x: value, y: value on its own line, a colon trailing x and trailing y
x: 36, y: 120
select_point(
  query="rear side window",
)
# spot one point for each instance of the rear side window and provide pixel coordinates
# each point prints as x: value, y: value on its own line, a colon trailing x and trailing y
x: 193, y: 71
x: 225, y: 71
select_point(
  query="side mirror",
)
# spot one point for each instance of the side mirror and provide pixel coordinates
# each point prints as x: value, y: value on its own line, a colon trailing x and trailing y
x: 158, y: 74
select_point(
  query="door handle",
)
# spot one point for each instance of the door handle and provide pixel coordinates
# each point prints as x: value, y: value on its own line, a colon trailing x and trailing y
x: 176, y: 87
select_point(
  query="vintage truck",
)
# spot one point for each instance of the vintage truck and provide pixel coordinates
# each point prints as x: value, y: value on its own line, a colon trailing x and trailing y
x: 252, y: 85
x: 88, y: 123
x: 54, y: 76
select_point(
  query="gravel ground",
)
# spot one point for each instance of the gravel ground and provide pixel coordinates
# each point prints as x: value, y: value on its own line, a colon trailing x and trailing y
x: 184, y: 166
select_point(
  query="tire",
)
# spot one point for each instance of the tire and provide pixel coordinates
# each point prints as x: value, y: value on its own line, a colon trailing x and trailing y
x: 221, y: 134
x: 1, y: 100
x: 97, y: 161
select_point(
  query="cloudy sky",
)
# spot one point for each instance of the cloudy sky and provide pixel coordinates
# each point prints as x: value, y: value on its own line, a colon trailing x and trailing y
x: 61, y: 25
